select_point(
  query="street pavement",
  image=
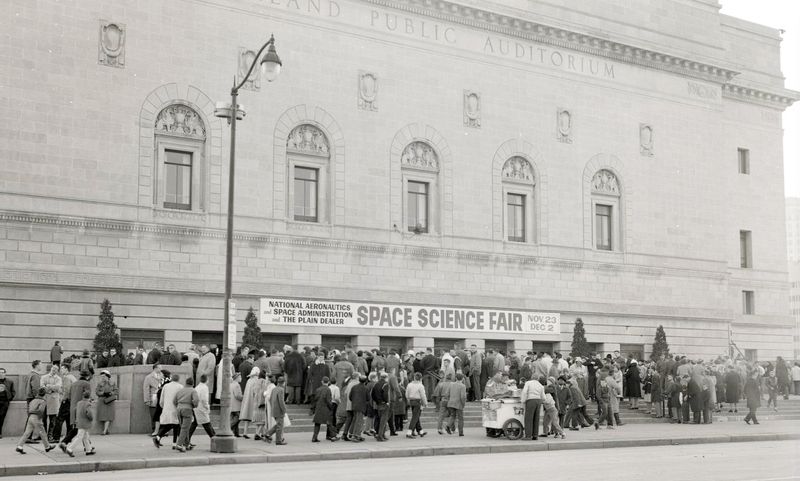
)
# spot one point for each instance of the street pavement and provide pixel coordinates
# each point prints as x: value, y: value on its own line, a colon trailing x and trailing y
x: 746, y: 461
x: 124, y: 452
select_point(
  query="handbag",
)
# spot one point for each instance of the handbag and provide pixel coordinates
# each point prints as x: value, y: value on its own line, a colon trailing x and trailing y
x: 286, y: 421
x: 110, y: 398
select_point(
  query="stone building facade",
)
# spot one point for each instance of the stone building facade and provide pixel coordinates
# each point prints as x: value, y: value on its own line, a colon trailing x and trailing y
x: 515, y: 157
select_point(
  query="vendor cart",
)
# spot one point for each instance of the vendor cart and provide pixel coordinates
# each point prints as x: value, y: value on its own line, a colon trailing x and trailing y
x: 503, y: 417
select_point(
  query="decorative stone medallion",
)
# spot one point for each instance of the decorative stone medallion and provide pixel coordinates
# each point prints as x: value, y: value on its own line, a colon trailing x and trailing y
x: 605, y: 182
x: 646, y: 139
x: 367, y: 91
x: 111, y: 44
x: 518, y: 169
x: 564, y: 125
x: 308, y: 139
x: 180, y: 120
x: 472, y: 109
x: 246, y: 59
x: 420, y: 155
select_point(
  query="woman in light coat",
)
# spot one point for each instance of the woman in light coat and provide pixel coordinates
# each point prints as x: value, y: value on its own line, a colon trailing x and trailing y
x: 260, y: 415
x: 269, y: 386
x: 250, y: 402
x: 107, y: 395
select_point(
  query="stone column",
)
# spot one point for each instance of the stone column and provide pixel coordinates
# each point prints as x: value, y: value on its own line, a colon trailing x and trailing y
x: 181, y: 339
x: 419, y: 344
x: 310, y: 340
x: 480, y: 343
x: 367, y: 343
x: 520, y: 346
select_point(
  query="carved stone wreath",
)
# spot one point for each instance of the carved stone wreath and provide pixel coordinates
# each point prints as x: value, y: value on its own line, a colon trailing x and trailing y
x: 180, y: 120
x: 517, y: 169
x: 308, y: 139
x: 420, y: 155
x: 605, y: 182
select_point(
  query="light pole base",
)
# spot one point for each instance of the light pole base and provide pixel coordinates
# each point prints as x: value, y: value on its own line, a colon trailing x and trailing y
x: 223, y: 444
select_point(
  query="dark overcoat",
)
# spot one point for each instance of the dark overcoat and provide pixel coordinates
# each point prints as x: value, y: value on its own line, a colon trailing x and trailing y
x: 322, y: 406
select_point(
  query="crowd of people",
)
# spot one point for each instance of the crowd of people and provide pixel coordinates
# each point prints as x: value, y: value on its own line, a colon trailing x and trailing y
x: 359, y: 394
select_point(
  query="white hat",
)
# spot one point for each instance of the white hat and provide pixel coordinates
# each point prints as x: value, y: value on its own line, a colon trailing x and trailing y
x: 106, y: 372
x: 254, y: 372
x: 410, y: 352
x: 578, y: 359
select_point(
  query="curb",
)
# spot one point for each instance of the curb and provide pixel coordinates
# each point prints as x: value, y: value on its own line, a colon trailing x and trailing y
x: 522, y: 446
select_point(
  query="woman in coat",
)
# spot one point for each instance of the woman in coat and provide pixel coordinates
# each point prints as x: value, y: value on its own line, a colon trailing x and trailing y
x: 397, y: 403
x: 732, y: 388
x: 317, y: 371
x: 250, y: 401
x: 323, y: 404
x: 752, y: 392
x: 633, y: 384
x: 267, y: 387
x: 106, y: 394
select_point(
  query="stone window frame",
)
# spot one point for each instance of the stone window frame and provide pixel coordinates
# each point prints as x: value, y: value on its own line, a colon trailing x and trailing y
x: 283, y: 162
x: 621, y: 206
x: 149, y: 145
x: 536, y: 204
x: 440, y: 194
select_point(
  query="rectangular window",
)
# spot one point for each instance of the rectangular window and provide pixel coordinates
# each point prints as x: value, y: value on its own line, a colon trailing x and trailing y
x: 515, y: 208
x: 603, y: 227
x: 178, y: 175
x: 745, y: 249
x: 748, y: 302
x: 133, y: 338
x: 305, y: 194
x: 744, y: 161
x: 417, y: 207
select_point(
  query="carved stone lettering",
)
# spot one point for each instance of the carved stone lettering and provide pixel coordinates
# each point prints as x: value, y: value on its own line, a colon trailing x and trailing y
x: 178, y: 119
x: 472, y: 109
x: 702, y: 91
x: 420, y: 155
x: 518, y: 169
x: 605, y: 182
x: 111, y: 45
x: 367, y: 91
x: 308, y: 139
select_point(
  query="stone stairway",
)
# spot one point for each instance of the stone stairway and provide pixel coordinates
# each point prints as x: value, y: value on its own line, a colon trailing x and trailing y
x: 787, y: 410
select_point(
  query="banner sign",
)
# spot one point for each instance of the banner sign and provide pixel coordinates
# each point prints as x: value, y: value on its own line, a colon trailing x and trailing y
x: 322, y: 314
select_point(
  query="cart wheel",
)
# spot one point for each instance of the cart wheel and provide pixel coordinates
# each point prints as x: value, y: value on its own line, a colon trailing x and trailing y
x: 513, y: 429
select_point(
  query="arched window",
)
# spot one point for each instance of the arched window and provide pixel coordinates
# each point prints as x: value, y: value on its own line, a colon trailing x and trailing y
x: 308, y: 155
x: 420, y: 168
x: 606, y: 208
x: 180, y: 170
x: 518, y: 184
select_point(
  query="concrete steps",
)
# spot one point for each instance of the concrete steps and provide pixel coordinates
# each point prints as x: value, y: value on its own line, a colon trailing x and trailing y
x: 302, y: 421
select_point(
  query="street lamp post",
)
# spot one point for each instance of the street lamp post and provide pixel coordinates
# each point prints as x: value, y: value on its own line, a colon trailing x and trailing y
x: 224, y: 441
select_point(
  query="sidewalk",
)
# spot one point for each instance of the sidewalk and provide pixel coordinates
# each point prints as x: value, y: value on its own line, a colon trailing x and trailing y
x: 117, y: 452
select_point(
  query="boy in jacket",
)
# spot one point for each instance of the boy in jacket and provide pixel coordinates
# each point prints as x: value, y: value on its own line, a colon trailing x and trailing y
x: 34, y: 426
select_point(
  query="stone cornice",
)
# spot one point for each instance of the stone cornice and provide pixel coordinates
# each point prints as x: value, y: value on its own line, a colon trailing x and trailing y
x: 602, y: 47
x: 559, y: 37
x: 371, y: 247
x: 781, y: 99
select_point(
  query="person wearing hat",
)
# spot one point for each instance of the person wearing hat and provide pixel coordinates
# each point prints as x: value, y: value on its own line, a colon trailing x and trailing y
x: 107, y: 393
x: 236, y: 402
x: 168, y: 418
x: 34, y: 427
x: 251, y: 399
x: 633, y: 384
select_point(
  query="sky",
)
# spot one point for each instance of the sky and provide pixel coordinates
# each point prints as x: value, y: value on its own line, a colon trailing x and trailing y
x: 782, y: 14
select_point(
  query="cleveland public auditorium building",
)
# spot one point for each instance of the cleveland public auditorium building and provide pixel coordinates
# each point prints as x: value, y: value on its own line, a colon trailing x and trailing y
x: 422, y: 173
